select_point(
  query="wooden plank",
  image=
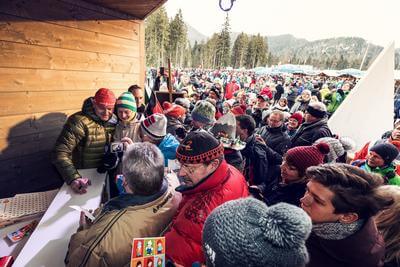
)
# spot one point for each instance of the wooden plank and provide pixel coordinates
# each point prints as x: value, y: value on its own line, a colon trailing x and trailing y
x: 17, y: 80
x: 137, y: 8
x: 71, y: 15
x: 26, y: 174
x: 30, y: 56
x: 19, y: 146
x: 15, y: 103
x: 16, y: 29
x: 30, y: 102
x: 26, y: 124
x: 142, y: 71
x: 99, y: 8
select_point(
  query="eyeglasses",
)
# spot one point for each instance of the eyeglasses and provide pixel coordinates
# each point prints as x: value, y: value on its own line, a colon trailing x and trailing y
x: 189, y: 169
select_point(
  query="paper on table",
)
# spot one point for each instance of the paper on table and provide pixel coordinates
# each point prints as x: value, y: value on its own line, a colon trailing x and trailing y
x: 86, y: 212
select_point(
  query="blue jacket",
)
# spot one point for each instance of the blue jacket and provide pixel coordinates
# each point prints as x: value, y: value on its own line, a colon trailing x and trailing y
x: 168, y: 147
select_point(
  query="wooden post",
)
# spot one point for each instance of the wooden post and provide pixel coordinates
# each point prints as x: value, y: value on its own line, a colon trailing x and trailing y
x: 169, y: 80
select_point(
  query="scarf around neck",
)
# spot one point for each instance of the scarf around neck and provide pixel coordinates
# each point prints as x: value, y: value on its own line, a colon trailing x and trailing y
x: 336, y: 230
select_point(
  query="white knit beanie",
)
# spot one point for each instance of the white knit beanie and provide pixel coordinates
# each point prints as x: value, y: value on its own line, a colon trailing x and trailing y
x: 154, y: 126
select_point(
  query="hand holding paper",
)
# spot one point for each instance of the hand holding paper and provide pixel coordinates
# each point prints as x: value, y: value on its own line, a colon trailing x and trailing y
x: 86, y: 218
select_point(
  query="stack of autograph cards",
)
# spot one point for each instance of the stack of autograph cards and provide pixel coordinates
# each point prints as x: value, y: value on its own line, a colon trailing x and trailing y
x: 148, y: 252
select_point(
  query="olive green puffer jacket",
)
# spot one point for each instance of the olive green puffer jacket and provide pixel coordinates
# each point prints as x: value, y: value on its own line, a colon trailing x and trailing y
x: 81, y: 142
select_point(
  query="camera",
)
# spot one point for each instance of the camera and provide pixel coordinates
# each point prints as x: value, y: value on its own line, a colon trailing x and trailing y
x: 117, y: 147
x: 162, y: 70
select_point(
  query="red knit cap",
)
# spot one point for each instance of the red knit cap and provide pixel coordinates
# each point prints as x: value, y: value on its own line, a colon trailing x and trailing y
x: 303, y: 157
x: 105, y: 97
x: 173, y: 110
x: 297, y: 116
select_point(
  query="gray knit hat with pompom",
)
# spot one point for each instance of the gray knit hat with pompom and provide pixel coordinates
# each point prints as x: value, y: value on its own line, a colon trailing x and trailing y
x: 337, y: 147
x: 246, y: 232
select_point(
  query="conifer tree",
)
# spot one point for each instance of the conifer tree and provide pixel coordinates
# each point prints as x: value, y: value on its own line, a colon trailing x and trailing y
x: 177, y: 39
x: 223, y: 45
x: 157, y: 38
x: 239, y: 50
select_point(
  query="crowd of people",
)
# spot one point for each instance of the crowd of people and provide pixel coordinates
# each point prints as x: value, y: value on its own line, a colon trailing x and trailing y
x: 241, y: 170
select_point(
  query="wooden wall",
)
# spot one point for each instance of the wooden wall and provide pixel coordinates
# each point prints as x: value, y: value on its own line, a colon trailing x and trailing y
x: 53, y: 55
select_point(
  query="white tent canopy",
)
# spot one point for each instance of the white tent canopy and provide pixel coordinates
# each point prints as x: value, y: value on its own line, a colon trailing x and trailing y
x: 367, y: 112
x: 397, y: 75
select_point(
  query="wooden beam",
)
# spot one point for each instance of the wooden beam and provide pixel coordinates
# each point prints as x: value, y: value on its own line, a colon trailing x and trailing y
x: 33, y: 80
x: 18, y: 103
x: 76, y: 14
x: 19, y: 55
x: 15, y: 29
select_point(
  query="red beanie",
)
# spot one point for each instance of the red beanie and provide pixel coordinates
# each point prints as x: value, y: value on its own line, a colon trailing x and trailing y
x: 173, y: 110
x: 297, y: 116
x: 239, y: 110
x: 303, y: 157
x: 105, y: 97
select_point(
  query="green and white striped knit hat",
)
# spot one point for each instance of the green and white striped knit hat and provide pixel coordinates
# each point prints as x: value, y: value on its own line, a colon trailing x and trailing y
x: 126, y: 100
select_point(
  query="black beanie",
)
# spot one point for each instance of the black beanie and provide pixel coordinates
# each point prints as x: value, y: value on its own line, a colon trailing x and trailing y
x: 316, y: 112
x: 387, y: 151
x: 199, y: 147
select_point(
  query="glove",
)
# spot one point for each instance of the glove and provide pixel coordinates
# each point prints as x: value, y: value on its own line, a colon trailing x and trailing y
x: 110, y: 159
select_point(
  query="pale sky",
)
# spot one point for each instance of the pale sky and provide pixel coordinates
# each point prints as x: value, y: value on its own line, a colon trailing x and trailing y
x: 374, y: 20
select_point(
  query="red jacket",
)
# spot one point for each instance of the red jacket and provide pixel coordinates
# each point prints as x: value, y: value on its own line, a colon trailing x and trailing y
x: 230, y: 89
x: 184, y: 239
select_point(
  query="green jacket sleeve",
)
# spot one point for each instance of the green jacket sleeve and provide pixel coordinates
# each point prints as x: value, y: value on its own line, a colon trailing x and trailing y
x: 72, y: 133
x: 395, y: 180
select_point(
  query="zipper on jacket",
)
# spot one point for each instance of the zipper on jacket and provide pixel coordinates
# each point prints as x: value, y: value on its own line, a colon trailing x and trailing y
x: 101, y: 236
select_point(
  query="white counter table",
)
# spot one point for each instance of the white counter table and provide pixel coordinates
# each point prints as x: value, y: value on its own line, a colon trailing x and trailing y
x: 48, y: 244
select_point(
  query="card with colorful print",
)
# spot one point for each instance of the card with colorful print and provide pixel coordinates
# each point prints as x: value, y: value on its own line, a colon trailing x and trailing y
x: 148, y: 252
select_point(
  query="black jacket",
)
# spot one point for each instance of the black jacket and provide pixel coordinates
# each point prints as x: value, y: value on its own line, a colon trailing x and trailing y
x: 175, y: 127
x: 257, y: 116
x: 234, y: 158
x: 308, y: 133
x: 275, y: 138
x: 279, y: 92
x: 259, y: 160
x: 290, y: 193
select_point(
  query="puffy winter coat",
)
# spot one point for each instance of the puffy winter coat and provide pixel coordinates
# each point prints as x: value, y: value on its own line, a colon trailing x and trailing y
x: 276, y: 138
x: 230, y: 89
x: 168, y: 147
x: 334, y: 100
x: 184, y: 239
x: 81, y: 142
x: 308, y: 133
x: 260, y: 161
x: 108, y: 242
